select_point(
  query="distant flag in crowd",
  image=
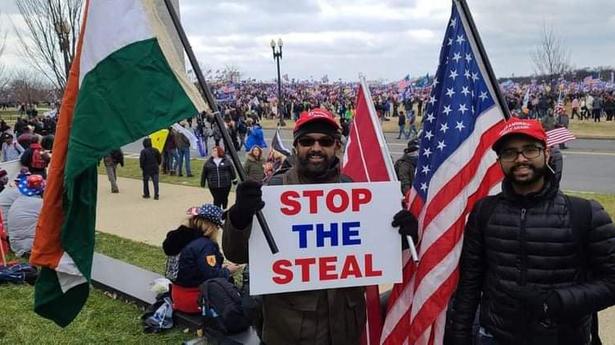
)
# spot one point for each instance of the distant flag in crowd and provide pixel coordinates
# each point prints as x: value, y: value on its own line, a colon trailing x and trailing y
x: 126, y: 82
x: 456, y: 167
x: 526, y: 98
x: 559, y: 136
x: 367, y: 159
x: 278, y: 145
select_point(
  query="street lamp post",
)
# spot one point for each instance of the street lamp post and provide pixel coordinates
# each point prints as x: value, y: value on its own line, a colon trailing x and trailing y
x: 277, y: 55
x: 63, y: 30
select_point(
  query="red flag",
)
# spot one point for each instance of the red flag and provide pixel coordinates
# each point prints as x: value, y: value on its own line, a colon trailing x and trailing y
x: 367, y: 159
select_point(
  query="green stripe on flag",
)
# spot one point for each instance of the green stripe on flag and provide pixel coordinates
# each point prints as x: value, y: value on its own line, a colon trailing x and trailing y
x: 128, y: 95
x: 55, y: 305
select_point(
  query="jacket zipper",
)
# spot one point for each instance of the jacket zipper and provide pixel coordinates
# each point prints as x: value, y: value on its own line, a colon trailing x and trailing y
x: 522, y: 237
x: 218, y: 173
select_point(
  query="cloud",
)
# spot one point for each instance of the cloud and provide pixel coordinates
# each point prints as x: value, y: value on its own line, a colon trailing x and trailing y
x: 383, y: 38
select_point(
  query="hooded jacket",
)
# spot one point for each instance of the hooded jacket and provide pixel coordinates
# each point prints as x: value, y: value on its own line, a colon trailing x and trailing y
x: 528, y: 241
x: 150, y: 158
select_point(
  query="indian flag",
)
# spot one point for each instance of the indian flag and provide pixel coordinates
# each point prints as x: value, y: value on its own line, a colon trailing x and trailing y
x: 126, y: 82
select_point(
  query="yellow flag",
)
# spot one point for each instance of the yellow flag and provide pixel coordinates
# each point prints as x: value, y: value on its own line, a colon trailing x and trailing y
x: 158, y: 139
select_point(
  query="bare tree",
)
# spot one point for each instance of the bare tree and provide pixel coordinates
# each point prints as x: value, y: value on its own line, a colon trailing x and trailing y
x: 4, y: 75
x: 50, y: 43
x: 551, y: 58
x: 26, y: 87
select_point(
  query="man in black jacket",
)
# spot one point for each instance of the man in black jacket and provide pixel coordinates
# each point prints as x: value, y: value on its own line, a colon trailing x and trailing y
x: 149, y: 161
x: 535, y: 261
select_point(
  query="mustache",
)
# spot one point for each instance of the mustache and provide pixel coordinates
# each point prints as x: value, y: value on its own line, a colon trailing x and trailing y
x: 518, y: 166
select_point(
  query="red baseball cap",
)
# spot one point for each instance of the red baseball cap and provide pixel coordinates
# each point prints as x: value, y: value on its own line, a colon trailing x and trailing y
x: 529, y: 128
x: 314, y: 115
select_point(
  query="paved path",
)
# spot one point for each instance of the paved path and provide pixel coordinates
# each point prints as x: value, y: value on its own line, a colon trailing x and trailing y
x: 588, y: 164
x: 146, y: 220
x: 128, y: 215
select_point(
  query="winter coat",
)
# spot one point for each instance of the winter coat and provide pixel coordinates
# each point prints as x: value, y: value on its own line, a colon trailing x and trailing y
x: 217, y: 176
x: 181, y: 141
x: 300, y: 318
x: 150, y: 159
x: 21, y: 223
x: 114, y: 157
x: 255, y: 138
x: 528, y: 241
x: 200, y: 258
x: 254, y: 167
x: 404, y: 168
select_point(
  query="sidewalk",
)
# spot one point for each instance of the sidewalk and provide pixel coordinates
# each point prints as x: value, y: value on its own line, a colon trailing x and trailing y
x: 128, y: 215
x: 147, y: 220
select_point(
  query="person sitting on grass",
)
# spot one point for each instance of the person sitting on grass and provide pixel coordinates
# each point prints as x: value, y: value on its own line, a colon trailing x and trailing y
x: 194, y: 256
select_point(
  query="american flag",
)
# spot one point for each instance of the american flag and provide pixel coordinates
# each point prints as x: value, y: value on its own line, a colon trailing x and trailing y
x: 456, y: 167
x: 559, y: 136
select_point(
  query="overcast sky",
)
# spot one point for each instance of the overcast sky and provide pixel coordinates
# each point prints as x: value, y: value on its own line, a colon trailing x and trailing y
x: 379, y: 38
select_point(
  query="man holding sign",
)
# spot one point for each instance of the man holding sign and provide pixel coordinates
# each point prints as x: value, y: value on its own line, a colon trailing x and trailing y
x: 333, y: 240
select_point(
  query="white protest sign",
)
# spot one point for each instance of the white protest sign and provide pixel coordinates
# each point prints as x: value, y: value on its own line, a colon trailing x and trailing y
x: 329, y: 236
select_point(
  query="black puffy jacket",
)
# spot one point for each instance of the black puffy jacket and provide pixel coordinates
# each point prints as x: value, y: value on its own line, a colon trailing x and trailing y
x: 217, y: 176
x: 528, y: 241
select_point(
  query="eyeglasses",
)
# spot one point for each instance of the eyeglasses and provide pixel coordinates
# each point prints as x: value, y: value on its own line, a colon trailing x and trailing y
x: 309, y: 141
x: 529, y: 152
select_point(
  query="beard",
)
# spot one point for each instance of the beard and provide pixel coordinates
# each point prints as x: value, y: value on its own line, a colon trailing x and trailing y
x: 533, y: 175
x: 314, y: 170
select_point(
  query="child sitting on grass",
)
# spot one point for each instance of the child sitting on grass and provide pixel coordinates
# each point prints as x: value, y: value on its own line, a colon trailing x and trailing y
x: 194, y: 256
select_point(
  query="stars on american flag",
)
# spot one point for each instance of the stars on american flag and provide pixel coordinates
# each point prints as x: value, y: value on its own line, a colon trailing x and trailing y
x: 447, y: 110
x: 457, y: 57
x: 458, y: 95
x: 460, y: 39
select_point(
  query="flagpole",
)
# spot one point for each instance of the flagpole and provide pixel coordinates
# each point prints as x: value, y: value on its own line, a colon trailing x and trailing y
x: 228, y: 143
x: 465, y: 12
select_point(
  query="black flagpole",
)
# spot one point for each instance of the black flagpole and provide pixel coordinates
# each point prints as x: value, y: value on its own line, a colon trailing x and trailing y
x: 465, y: 13
x: 228, y: 144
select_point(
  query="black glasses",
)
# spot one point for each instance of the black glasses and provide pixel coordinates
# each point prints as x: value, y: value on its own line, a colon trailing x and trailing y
x: 309, y: 141
x: 529, y: 152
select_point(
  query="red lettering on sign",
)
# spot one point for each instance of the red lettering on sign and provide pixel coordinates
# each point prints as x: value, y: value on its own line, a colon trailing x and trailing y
x: 305, y: 267
x: 343, y: 196
x: 288, y: 199
x: 313, y: 195
x: 326, y: 267
x: 360, y: 196
x: 351, y: 268
x: 283, y: 271
x: 369, y: 267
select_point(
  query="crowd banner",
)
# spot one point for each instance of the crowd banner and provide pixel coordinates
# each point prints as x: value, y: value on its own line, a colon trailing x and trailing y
x: 329, y: 236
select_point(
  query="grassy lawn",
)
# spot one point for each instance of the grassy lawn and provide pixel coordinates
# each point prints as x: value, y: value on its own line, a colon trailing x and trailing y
x: 102, y: 321
x: 131, y: 170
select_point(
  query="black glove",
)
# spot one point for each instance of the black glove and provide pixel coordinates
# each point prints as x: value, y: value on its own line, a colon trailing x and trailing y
x: 407, y: 223
x: 540, y: 303
x: 248, y: 201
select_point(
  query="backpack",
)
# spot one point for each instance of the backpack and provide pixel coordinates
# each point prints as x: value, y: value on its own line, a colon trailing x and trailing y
x: 220, y: 302
x: 37, y: 158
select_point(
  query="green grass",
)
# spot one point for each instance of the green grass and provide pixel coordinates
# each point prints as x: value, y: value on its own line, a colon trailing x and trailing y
x: 607, y: 200
x: 131, y: 169
x: 103, y: 320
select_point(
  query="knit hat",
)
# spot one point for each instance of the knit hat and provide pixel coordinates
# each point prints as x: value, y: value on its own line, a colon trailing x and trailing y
x: 315, y: 121
x: 515, y: 126
x: 210, y: 212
